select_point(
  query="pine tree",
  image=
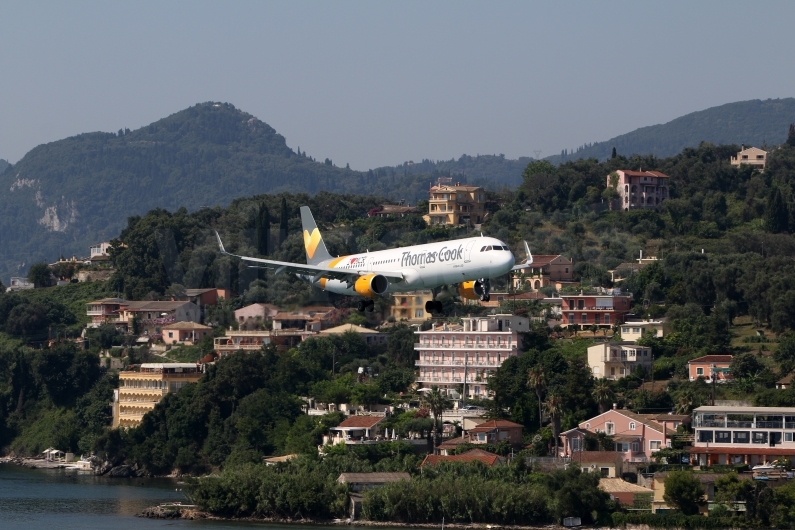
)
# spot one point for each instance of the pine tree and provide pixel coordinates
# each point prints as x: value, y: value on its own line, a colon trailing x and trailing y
x: 776, y: 214
x: 283, y: 222
x: 263, y: 225
x: 791, y: 135
x: 614, y: 153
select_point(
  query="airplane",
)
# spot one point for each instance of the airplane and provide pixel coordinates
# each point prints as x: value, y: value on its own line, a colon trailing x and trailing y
x: 467, y: 263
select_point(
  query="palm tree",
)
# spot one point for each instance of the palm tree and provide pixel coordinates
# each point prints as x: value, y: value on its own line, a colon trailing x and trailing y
x: 554, y: 406
x: 537, y: 379
x: 436, y: 402
x: 603, y: 394
x: 684, y: 403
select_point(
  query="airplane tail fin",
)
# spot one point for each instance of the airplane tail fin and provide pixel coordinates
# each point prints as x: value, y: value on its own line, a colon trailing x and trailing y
x: 313, y: 242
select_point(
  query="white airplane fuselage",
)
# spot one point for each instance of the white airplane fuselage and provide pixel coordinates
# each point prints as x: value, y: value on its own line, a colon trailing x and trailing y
x: 424, y: 266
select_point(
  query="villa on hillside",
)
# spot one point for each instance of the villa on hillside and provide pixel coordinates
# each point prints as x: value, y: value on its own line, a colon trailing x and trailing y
x: 751, y: 156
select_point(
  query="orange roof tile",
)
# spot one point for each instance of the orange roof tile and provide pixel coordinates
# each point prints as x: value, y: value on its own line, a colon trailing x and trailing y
x: 361, y: 422
x: 712, y: 359
x: 470, y: 456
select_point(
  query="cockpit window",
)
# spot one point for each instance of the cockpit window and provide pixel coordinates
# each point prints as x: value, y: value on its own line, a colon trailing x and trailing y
x: 483, y: 249
x: 488, y: 248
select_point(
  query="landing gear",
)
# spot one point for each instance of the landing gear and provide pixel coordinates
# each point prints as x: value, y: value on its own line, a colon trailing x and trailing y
x: 365, y: 305
x: 483, y: 289
x: 433, y: 306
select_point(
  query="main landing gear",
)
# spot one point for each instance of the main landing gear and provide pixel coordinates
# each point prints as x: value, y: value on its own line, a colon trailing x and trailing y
x: 433, y: 306
x: 365, y: 305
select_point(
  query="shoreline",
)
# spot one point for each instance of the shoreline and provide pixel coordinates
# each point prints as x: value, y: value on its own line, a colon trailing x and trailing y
x: 189, y: 512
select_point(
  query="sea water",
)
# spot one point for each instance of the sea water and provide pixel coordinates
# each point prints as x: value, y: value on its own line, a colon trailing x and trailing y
x: 50, y: 499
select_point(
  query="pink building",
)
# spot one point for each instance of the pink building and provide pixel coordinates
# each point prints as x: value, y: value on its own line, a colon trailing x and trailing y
x: 636, y: 436
x: 709, y: 366
x: 640, y: 189
x: 604, y: 310
x: 261, y: 312
x: 454, y: 355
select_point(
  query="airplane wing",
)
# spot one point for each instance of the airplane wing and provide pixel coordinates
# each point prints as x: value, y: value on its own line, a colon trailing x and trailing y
x: 317, y: 272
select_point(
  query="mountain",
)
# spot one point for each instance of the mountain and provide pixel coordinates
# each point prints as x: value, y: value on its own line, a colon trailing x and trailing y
x: 3, y: 165
x: 753, y: 122
x: 64, y: 196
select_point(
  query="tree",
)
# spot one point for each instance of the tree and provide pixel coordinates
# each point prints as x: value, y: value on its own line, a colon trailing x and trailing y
x: 745, y: 365
x: 785, y: 354
x: 39, y: 274
x: 536, y: 379
x: 776, y: 219
x: 684, y: 492
x: 436, y: 402
x: 262, y: 224
x: 791, y: 135
x: 613, y: 154
x: 603, y: 394
x: 283, y: 222
x: 554, y: 407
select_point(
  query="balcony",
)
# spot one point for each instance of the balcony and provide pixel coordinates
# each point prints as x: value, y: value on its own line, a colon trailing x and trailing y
x: 453, y: 380
x: 468, y: 364
x: 465, y: 346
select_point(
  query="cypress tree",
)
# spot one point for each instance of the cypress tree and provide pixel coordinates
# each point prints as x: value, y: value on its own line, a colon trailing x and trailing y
x: 791, y: 135
x: 614, y: 153
x: 776, y: 215
x: 283, y: 223
x: 263, y: 225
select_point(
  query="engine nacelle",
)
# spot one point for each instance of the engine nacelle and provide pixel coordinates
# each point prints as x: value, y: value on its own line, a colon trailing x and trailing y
x: 371, y: 285
x: 474, y: 290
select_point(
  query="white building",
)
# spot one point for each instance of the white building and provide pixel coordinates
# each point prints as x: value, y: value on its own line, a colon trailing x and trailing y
x: 18, y: 284
x: 743, y: 435
x: 451, y: 355
x: 614, y: 360
x: 632, y: 330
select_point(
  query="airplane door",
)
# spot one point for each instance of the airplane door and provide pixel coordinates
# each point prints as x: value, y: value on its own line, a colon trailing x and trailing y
x: 468, y: 251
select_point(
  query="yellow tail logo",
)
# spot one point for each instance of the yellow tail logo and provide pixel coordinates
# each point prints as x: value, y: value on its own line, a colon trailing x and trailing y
x: 311, y: 242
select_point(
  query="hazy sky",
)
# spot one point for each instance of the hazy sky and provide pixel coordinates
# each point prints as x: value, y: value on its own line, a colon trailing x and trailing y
x: 378, y: 83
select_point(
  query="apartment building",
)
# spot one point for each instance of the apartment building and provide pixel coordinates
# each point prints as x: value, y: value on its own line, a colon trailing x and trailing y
x: 410, y: 306
x: 751, y: 156
x: 254, y: 340
x: 743, y: 435
x: 614, y: 360
x: 185, y: 333
x: 640, y: 189
x: 601, y: 308
x: 545, y: 270
x: 140, y: 390
x: 456, y: 205
x: 711, y: 367
x: 458, y: 357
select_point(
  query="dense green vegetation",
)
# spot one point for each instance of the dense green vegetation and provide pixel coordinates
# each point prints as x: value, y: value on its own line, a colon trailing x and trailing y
x: 63, y: 196
x: 752, y: 122
x: 460, y: 493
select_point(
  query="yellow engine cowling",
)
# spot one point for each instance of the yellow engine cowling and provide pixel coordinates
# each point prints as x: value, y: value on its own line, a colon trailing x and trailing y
x: 472, y: 290
x: 371, y: 285
x: 467, y: 290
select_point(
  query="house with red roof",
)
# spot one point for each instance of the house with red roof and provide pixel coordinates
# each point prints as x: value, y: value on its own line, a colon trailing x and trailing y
x: 639, y: 189
x: 636, y: 437
x: 473, y: 455
x: 356, y: 430
x: 545, y: 270
x: 488, y: 432
x: 710, y: 366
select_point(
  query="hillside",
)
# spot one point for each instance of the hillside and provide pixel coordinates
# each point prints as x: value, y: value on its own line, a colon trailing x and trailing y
x: 494, y: 170
x: 66, y: 195
x: 753, y: 122
x: 3, y: 165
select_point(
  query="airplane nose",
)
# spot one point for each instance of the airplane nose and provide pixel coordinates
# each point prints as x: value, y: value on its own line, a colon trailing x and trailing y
x: 510, y: 260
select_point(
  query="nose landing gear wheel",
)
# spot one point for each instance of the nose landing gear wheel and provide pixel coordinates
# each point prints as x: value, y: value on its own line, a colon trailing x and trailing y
x: 365, y: 305
x: 433, y: 307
